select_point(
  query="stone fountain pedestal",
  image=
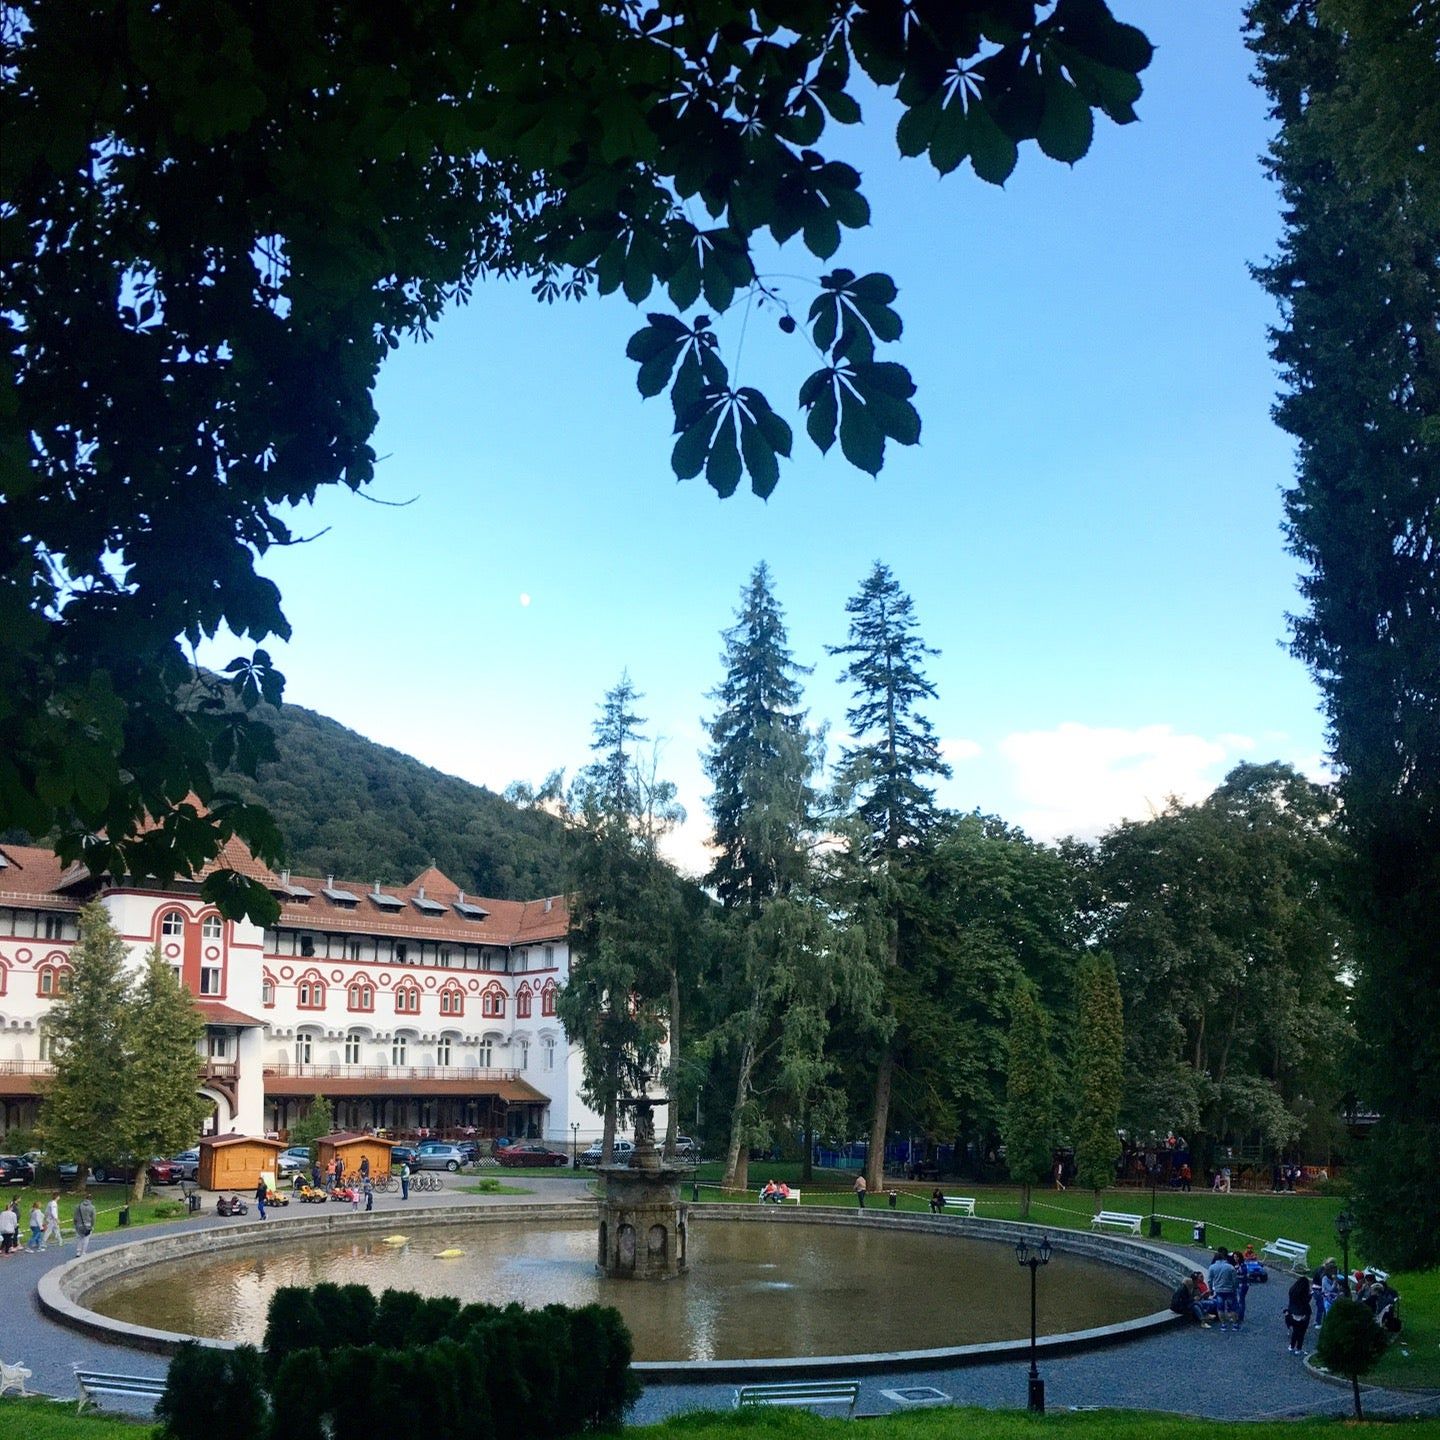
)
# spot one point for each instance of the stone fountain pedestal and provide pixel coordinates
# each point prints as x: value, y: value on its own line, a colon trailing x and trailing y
x: 642, y: 1222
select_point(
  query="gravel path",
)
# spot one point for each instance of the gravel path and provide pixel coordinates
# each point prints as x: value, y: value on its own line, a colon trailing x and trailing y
x: 1246, y: 1375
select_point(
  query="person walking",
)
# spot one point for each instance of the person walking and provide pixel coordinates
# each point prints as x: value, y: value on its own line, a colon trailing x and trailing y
x: 404, y: 1180
x: 369, y: 1195
x: 84, y: 1221
x: 1297, y: 1313
x: 260, y: 1194
x: 52, y: 1223
x: 364, y: 1168
x: 860, y: 1188
x: 37, y: 1228
x: 9, y: 1228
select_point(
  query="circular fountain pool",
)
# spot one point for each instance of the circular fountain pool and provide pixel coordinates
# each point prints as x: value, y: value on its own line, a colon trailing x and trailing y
x: 781, y: 1287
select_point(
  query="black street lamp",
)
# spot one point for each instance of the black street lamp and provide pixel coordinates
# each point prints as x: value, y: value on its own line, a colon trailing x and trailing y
x: 1034, y: 1261
x: 1344, y: 1224
x: 575, y: 1145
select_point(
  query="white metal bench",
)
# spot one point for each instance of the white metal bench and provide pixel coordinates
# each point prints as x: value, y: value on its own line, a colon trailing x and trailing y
x: 799, y: 1392
x: 1292, y: 1252
x: 1118, y: 1219
x: 13, y: 1377
x: 965, y: 1204
x: 102, y: 1382
x: 780, y: 1199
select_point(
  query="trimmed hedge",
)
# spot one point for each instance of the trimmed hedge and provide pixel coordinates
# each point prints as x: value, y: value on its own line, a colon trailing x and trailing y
x: 336, y: 1357
x: 214, y: 1395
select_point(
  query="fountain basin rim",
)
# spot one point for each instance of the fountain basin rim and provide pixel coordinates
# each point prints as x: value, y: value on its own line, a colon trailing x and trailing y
x: 61, y: 1292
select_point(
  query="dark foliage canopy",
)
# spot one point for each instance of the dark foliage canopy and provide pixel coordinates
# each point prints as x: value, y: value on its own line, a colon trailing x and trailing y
x: 220, y: 217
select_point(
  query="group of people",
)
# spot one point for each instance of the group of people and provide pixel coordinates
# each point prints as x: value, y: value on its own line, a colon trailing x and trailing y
x: 45, y: 1231
x: 774, y: 1194
x: 1219, y: 1293
x: 1317, y: 1292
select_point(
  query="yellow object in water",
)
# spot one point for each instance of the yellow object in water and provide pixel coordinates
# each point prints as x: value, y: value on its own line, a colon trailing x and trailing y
x: 397, y: 1240
x: 449, y: 1254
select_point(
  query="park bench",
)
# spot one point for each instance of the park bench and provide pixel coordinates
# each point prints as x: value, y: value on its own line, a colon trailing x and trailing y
x: 781, y: 1199
x: 102, y: 1382
x: 1118, y: 1218
x: 799, y: 1392
x: 1292, y: 1252
x: 13, y: 1377
x: 965, y: 1204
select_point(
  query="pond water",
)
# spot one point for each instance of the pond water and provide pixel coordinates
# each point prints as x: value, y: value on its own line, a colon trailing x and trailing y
x: 752, y: 1291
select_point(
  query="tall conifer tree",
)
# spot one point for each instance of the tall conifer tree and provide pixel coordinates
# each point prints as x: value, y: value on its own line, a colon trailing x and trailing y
x: 760, y: 763
x: 1029, y: 1127
x: 80, y: 1117
x: 883, y: 774
x: 161, y: 1109
x: 1353, y: 85
x: 1099, y: 1068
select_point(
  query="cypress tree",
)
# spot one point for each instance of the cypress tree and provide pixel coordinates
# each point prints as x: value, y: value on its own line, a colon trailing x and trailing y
x: 1099, y: 1063
x: 1030, y: 1094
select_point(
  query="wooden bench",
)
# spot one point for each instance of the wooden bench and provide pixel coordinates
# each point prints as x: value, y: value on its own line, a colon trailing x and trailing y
x: 1292, y: 1252
x: 965, y: 1204
x: 102, y: 1382
x: 799, y: 1392
x: 13, y: 1377
x: 1119, y: 1219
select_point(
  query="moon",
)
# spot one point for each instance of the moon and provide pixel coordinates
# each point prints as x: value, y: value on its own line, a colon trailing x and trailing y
x: 524, y: 600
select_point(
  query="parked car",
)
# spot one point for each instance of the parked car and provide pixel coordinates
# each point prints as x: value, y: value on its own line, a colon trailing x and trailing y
x: 532, y: 1152
x: 287, y: 1162
x: 440, y: 1155
x: 620, y: 1152
x: 686, y: 1148
x: 469, y: 1149
x: 113, y: 1172
x: 403, y: 1155
x: 503, y: 1142
x: 187, y: 1162
x: 16, y: 1170
x: 164, y: 1172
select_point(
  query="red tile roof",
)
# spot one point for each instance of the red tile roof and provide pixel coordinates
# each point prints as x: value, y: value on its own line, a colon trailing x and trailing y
x: 214, y: 1012
x: 515, y: 1091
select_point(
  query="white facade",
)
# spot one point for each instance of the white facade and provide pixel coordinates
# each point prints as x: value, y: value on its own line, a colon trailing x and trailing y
x: 412, y: 1008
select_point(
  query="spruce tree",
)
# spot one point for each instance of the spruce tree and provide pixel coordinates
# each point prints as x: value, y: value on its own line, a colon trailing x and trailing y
x: 161, y: 1109
x: 882, y: 777
x: 1029, y: 1129
x: 1099, y: 1062
x: 760, y: 763
x: 88, y: 1032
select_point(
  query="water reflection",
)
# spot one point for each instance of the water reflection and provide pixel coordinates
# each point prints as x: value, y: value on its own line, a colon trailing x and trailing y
x: 752, y: 1290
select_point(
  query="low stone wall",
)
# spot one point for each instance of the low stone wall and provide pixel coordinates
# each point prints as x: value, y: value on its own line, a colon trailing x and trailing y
x: 62, y: 1292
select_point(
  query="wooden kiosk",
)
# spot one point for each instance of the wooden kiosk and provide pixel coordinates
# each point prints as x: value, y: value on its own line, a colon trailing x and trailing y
x: 352, y: 1147
x: 236, y: 1162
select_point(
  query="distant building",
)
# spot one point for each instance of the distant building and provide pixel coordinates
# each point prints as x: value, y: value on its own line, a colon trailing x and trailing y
x: 411, y: 1007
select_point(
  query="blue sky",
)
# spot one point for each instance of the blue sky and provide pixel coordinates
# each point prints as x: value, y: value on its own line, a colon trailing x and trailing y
x: 1089, y: 527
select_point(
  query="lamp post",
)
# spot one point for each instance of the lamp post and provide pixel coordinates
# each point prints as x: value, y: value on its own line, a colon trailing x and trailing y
x: 575, y: 1145
x: 1034, y: 1260
x: 1344, y: 1224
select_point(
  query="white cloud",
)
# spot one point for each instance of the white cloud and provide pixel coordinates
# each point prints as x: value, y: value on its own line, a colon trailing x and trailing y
x: 958, y: 750
x: 1081, y: 779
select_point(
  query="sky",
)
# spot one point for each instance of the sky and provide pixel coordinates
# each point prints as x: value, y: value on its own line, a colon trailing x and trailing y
x: 1090, y: 527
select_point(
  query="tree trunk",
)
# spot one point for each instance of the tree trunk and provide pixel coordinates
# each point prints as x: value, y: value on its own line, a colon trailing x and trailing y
x: 807, y: 1161
x: 1025, y: 1202
x: 137, y: 1185
x: 737, y: 1155
x: 1355, y: 1385
x: 672, y: 1073
x: 607, y: 1134
x: 880, y: 1122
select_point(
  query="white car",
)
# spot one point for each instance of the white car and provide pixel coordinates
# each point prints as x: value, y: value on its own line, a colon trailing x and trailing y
x: 620, y: 1152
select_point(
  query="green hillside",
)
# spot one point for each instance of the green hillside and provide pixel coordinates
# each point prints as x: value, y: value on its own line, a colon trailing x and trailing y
x: 360, y: 811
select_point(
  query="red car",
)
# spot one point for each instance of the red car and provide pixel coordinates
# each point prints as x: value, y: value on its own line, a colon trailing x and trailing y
x: 531, y: 1152
x: 164, y: 1172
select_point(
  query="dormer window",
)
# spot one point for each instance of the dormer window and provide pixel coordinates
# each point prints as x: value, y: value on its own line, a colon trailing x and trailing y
x: 212, y: 928
x: 173, y: 925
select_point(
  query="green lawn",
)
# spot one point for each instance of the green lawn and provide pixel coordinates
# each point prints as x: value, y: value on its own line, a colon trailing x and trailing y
x: 487, y: 1186
x: 41, y: 1420
x: 160, y: 1204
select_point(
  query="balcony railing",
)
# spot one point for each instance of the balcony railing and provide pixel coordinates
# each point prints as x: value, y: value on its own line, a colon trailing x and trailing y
x: 392, y: 1072
x: 222, y: 1070
x: 27, y: 1067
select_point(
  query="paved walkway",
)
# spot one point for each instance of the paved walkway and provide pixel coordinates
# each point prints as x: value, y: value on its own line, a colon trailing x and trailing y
x: 1242, y: 1376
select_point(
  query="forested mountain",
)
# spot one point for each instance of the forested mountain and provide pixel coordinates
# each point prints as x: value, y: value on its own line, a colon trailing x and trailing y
x: 349, y: 807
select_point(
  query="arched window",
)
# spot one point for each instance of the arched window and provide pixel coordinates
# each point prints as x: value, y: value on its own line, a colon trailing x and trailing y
x: 547, y: 998
x: 173, y: 925
x: 407, y: 1000
x: 492, y: 1002
x: 211, y: 927
x: 352, y: 1048
x: 267, y: 990
x: 310, y: 993
x: 54, y: 980
x: 398, y: 1047
x: 522, y: 1003
x: 4, y: 977
x: 452, y: 1000
x: 361, y: 995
